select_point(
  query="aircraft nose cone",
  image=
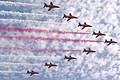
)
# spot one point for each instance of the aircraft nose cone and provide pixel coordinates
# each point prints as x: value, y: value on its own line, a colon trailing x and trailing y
x: 104, y: 34
x: 76, y: 17
x: 37, y: 73
x: 57, y: 7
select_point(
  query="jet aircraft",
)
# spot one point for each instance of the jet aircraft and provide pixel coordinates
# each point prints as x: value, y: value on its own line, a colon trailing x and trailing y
x: 110, y: 42
x: 70, y: 16
x: 69, y: 58
x: 98, y: 34
x: 51, y: 6
x: 32, y: 72
x: 88, y: 51
x: 50, y: 65
x: 84, y: 25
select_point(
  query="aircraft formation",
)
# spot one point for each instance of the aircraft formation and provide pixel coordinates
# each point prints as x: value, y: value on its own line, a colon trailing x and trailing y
x: 84, y: 25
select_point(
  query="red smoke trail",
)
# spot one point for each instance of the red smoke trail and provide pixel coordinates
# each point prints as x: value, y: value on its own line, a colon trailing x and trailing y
x: 38, y: 49
x: 39, y: 30
x: 49, y: 39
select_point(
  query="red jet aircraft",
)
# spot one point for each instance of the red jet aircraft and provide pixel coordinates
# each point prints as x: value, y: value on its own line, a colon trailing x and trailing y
x: 32, y: 72
x: 110, y: 42
x: 70, y: 16
x: 50, y: 65
x: 98, y: 34
x: 88, y: 51
x: 69, y: 58
x: 84, y: 25
x: 51, y: 6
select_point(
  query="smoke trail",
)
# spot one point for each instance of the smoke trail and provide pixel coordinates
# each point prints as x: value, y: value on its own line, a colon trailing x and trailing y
x: 18, y: 64
x: 24, y: 14
x: 39, y: 30
x: 12, y: 56
x: 8, y: 3
x: 26, y: 22
x: 26, y: 57
x: 38, y: 49
x: 47, y: 39
x: 7, y: 72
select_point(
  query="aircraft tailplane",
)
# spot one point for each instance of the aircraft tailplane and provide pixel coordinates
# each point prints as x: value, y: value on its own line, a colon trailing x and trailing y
x: 45, y: 5
x: 93, y: 33
x: 105, y: 40
x: 65, y: 57
x: 64, y: 16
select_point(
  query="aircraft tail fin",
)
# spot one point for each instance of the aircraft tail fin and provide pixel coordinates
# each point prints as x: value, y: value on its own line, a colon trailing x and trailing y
x: 105, y: 40
x: 84, y: 50
x: 45, y: 5
x: 93, y: 33
x: 110, y: 39
x: 79, y: 24
x: 65, y: 57
x: 28, y: 72
x: 45, y: 64
x: 64, y: 16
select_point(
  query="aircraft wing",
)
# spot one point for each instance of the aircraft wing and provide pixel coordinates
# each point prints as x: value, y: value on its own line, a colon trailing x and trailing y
x: 97, y: 36
x: 49, y: 8
x: 83, y: 27
x: 68, y: 19
x: 69, y: 59
x: 110, y: 39
x: 51, y: 3
x: 85, y: 23
x: 70, y: 14
x: 31, y: 74
x: 109, y: 44
x: 89, y: 49
x: 49, y: 67
x: 87, y: 53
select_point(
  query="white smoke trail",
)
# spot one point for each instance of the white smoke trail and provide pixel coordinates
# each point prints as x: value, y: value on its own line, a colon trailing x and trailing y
x: 2, y: 12
x: 42, y: 58
x: 8, y: 3
x: 26, y: 22
x: 7, y: 72
x: 18, y: 64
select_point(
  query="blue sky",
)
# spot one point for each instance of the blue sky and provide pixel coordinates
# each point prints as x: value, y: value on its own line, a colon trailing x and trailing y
x: 103, y: 15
